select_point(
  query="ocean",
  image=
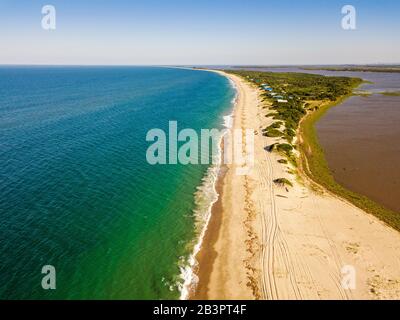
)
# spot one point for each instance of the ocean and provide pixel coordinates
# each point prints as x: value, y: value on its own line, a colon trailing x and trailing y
x: 77, y: 192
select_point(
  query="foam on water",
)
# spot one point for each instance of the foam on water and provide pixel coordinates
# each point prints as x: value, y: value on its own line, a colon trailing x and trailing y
x: 205, y: 197
x: 78, y: 188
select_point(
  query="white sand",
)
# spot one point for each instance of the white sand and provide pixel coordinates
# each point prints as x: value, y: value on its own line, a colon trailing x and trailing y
x: 274, y: 244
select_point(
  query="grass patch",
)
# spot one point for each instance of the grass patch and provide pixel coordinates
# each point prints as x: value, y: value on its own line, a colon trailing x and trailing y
x: 390, y: 93
x: 314, y: 164
x: 283, y: 182
x: 309, y: 96
x: 272, y: 133
x: 275, y: 125
x: 284, y: 148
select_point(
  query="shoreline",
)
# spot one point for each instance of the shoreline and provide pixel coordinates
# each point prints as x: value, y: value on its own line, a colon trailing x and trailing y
x: 320, y: 173
x: 264, y: 243
x: 207, y: 254
x: 189, y: 273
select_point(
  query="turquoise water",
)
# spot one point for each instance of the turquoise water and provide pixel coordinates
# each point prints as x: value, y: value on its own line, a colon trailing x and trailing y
x: 76, y: 191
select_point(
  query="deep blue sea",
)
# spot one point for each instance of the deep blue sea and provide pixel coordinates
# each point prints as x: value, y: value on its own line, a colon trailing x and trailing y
x: 76, y: 191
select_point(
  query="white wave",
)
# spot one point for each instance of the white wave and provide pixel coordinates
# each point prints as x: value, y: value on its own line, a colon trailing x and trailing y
x: 228, y: 121
x: 206, y: 196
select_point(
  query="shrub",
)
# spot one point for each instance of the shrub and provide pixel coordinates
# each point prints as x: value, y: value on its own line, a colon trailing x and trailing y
x: 271, y: 148
x: 275, y: 125
x: 289, y: 132
x: 283, y: 182
x: 272, y: 133
x: 284, y: 147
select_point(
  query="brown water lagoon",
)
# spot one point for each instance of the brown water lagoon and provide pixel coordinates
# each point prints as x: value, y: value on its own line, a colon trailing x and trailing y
x: 360, y: 139
x: 360, y: 136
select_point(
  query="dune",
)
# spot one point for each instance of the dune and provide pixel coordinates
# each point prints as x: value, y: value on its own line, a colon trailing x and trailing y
x: 270, y: 241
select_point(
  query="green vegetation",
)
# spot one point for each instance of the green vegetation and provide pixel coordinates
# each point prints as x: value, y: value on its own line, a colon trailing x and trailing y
x: 299, y: 93
x: 391, y: 93
x: 271, y: 148
x: 384, y: 93
x: 298, y: 89
x: 272, y: 130
x: 312, y: 95
x: 283, y: 161
x: 364, y: 94
x: 283, y: 182
x: 272, y: 133
x: 284, y: 148
x: 275, y: 125
x: 301, y: 86
x: 389, y: 69
x: 289, y: 134
x: 314, y: 164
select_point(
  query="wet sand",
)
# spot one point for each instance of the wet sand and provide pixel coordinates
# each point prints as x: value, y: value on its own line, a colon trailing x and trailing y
x: 207, y: 255
x: 265, y: 242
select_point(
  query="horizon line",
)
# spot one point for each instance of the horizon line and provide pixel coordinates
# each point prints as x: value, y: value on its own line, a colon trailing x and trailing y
x: 197, y: 65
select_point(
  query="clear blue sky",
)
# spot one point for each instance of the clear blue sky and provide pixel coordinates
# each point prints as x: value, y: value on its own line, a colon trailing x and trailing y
x: 199, y: 32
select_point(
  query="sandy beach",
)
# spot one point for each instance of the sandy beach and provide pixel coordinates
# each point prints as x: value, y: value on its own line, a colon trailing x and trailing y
x: 268, y: 242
